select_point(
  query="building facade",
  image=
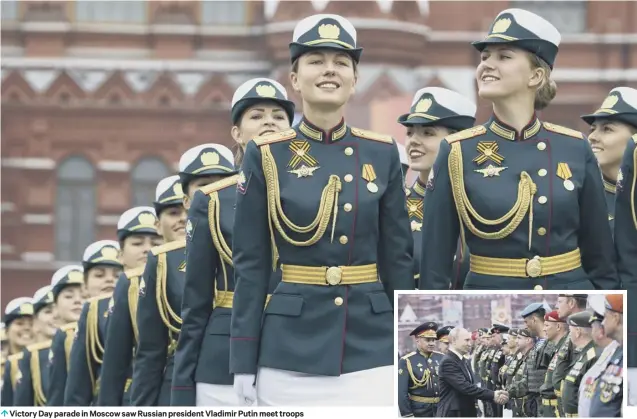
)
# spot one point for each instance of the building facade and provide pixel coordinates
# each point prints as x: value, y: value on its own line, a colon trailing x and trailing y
x: 100, y: 98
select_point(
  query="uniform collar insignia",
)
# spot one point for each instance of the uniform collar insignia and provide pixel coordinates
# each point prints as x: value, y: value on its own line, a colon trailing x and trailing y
x: 418, y: 187
x: 609, y: 186
x: 310, y: 131
x: 503, y: 130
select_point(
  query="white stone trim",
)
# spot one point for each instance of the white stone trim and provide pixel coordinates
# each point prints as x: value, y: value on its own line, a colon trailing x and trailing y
x: 37, y: 257
x: 7, y: 206
x: 37, y: 163
x: 37, y: 219
x: 118, y: 53
x: 12, y: 51
x: 113, y: 166
x: 6, y: 249
x: 577, y: 38
x: 107, y: 220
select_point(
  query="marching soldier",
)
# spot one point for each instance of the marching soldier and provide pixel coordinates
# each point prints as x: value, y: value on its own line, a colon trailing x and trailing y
x: 31, y: 388
x: 136, y: 233
x: 202, y: 375
x: 567, y: 304
x: 442, y: 335
x: 607, y: 397
x: 435, y: 113
x: 612, y: 125
x: 497, y: 361
x: 519, y: 387
x: 304, y: 192
x: 66, y: 285
x: 418, y: 386
x: 538, y: 358
x: 539, y: 175
x: 584, y: 354
x: 18, y: 320
x: 555, y: 330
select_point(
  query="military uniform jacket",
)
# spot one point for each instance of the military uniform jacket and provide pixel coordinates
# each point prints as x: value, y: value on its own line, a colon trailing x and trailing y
x: 608, y: 394
x: 563, y: 364
x: 10, y: 378
x: 610, y: 192
x: 584, y: 360
x: 519, y: 386
x: 494, y: 370
x: 87, y: 351
x: 31, y: 389
x: 158, y: 323
x: 494, y: 179
x: 626, y: 240
x: 58, y: 365
x: 418, y: 382
x: 475, y: 360
x: 512, y: 368
x: 415, y: 196
x: 316, y: 201
x: 538, y: 363
x: 203, y: 349
x: 484, y: 365
x: 118, y: 351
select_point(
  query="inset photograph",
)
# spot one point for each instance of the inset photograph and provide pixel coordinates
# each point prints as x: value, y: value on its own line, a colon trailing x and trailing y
x: 472, y: 354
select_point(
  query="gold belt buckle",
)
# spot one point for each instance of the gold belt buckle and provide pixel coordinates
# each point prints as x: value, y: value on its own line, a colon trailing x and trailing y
x: 334, y: 275
x: 534, y: 267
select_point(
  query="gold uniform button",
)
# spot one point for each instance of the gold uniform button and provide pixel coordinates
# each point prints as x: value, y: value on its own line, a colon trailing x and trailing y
x: 538, y: 288
x: 349, y: 151
x: 338, y: 301
x: 343, y: 239
x: 349, y: 178
x: 542, y: 199
x: 541, y: 146
x: 347, y: 207
x: 541, y: 231
x: 542, y: 172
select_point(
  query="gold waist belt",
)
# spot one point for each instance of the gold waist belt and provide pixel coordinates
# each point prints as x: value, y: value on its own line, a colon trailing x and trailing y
x: 424, y: 399
x: 526, y: 267
x: 571, y: 415
x: 335, y: 275
x: 223, y: 299
x: 549, y: 402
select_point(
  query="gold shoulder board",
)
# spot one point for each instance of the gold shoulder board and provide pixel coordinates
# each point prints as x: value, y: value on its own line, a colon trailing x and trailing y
x: 34, y: 347
x: 410, y: 354
x: 563, y: 130
x: 370, y: 135
x: 275, y: 137
x: 220, y: 184
x: 167, y: 247
x: 635, y: 138
x: 467, y: 133
x: 131, y: 273
x: 69, y: 326
x: 590, y: 354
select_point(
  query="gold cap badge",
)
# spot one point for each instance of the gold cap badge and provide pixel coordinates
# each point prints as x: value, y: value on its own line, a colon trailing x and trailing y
x: 110, y: 252
x: 146, y: 219
x: 609, y: 102
x: 329, y: 31
x: 210, y: 158
x: 423, y: 105
x: 266, y: 90
x: 76, y: 277
x: 501, y: 25
x: 26, y: 309
x: 177, y: 189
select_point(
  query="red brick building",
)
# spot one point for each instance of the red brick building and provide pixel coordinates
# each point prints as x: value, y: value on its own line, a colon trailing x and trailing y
x: 100, y: 98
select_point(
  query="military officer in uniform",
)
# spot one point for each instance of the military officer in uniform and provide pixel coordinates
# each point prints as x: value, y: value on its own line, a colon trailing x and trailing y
x: 510, y: 367
x: 556, y: 332
x: 538, y: 359
x: 612, y: 125
x: 479, y: 350
x: 434, y: 114
x: 31, y: 389
x: 66, y: 283
x: 18, y: 320
x: 567, y: 304
x: 497, y: 361
x: 442, y: 335
x: 418, y: 391
x: 202, y: 377
x: 518, y: 387
x: 305, y: 193
x: 539, y: 175
x: 607, y: 397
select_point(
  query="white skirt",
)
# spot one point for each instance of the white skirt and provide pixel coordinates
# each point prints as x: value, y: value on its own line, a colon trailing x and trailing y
x: 209, y: 395
x: 374, y: 387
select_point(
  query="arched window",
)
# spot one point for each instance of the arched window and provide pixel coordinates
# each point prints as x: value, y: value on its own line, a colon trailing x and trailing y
x: 145, y: 176
x: 74, y: 208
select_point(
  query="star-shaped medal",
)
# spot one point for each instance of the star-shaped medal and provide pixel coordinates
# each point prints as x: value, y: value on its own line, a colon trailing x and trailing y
x: 490, y: 170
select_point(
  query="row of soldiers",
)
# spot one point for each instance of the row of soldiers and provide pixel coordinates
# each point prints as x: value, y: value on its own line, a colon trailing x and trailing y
x: 565, y: 362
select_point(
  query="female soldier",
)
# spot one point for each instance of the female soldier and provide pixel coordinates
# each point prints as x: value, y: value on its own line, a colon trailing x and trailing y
x: 612, y: 125
x: 202, y: 376
x: 160, y: 296
x: 30, y: 390
x: 18, y: 320
x: 67, y: 284
x: 435, y: 113
x: 526, y: 196
x: 137, y: 234
x: 327, y: 330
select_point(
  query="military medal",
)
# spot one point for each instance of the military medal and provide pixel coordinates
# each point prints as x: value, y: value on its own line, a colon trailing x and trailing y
x: 304, y: 171
x: 369, y: 174
x: 488, y: 150
x: 490, y: 170
x: 302, y: 164
x: 564, y: 172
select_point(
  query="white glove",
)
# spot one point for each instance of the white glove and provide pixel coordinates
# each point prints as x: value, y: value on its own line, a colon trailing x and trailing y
x: 244, y: 388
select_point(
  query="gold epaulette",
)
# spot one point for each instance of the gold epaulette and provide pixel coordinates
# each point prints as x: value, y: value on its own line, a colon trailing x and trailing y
x: 635, y: 138
x: 563, y: 130
x: 220, y: 184
x: 590, y: 355
x: 34, y: 347
x: 370, y: 135
x: 167, y: 247
x: 68, y: 326
x: 275, y: 137
x: 15, y: 357
x: 466, y: 134
x: 139, y: 271
x: 409, y: 355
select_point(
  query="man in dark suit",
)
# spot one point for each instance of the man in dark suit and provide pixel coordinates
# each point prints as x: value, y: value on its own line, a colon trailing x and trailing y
x: 458, y: 391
